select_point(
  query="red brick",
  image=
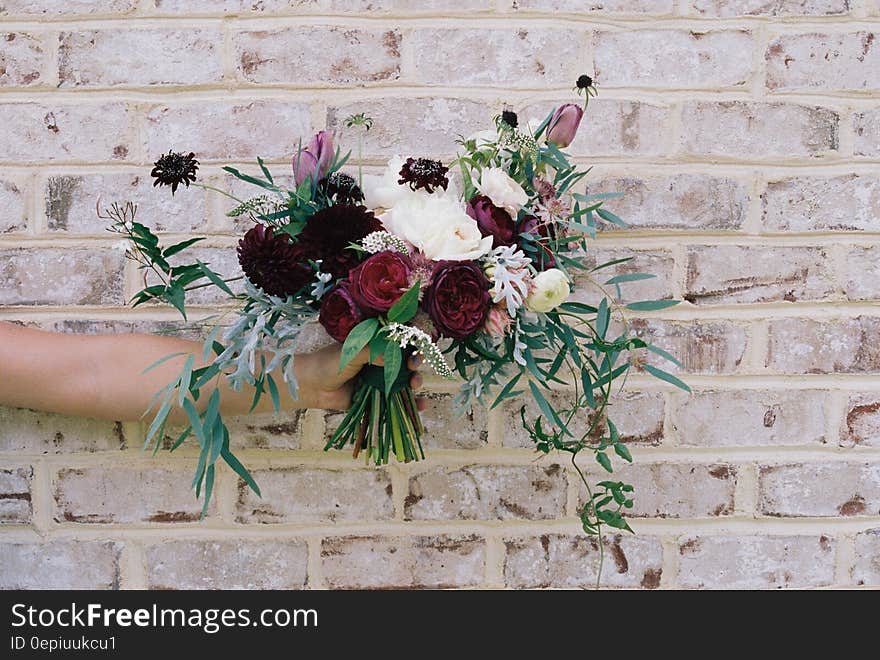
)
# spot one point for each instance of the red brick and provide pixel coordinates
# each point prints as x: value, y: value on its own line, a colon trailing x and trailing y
x: 866, y: 126
x: 60, y: 564
x: 812, y: 203
x: 806, y: 346
x: 77, y: 276
x: 22, y: 59
x: 820, y: 489
x: 729, y: 8
x: 12, y: 201
x: 715, y: 347
x: 862, y: 422
x: 818, y: 61
x: 69, y: 8
x: 15, y: 496
x: 867, y: 567
x: 32, y: 432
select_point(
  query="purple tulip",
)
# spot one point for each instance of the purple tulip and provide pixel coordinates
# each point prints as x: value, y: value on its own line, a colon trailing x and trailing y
x: 305, y: 166
x: 564, y: 124
x: 315, y: 159
x: 321, y: 146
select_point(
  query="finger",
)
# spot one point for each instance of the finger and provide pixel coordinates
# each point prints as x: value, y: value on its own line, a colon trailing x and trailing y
x: 363, y: 358
x: 415, y: 361
x: 416, y: 381
x: 421, y: 403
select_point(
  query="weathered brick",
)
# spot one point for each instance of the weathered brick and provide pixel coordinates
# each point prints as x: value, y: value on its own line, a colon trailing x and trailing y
x: 673, y: 58
x: 838, y: 61
x: 678, y: 490
x: 745, y: 418
x: 487, y: 492
x: 812, y: 203
x: 102, y: 327
x: 228, y: 130
x: 427, y: 126
x: 754, y: 131
x: 715, y: 347
x: 866, y: 126
x: 806, y: 346
x: 862, y: 423
x: 597, y: 7
x: 659, y: 263
x: 681, y: 201
x: 15, y: 495
x: 867, y: 567
x: 320, y: 495
x: 558, y: 562
x: 36, y: 132
x: 70, y: 203
x: 861, y: 273
x: 523, y: 57
x: 13, y: 217
x: 638, y: 417
x: 728, y: 8
x: 117, y: 495
x: 207, y: 564
x: 91, y: 58
x: 34, y: 432
x: 614, y: 128
x: 54, y: 9
x: 444, y: 430
x: 60, y: 565
x: 756, y: 562
x: 317, y: 54
x: 268, y: 7
x: 722, y: 274
x: 76, y: 276
x: 22, y: 60
x: 268, y: 431
x: 824, y: 489
x: 405, y: 562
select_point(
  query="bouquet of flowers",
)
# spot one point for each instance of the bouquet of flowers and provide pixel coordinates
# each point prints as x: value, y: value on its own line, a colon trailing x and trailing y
x: 469, y: 264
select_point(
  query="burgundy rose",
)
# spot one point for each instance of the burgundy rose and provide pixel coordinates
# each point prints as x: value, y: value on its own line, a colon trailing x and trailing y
x: 339, y: 313
x: 458, y: 299
x: 492, y: 220
x: 378, y: 282
x: 543, y: 258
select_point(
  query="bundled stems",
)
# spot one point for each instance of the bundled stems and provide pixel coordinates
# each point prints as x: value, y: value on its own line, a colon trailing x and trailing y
x: 381, y: 422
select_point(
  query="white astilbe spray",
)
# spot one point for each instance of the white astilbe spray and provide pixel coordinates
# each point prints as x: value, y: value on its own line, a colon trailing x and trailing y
x: 382, y: 240
x: 509, y: 273
x: 407, y: 335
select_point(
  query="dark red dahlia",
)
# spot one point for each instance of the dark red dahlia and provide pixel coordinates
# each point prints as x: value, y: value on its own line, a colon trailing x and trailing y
x: 329, y: 232
x: 273, y: 262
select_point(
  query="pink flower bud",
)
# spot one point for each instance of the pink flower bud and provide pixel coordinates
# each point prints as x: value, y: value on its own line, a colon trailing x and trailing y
x: 305, y: 166
x: 564, y: 124
x: 321, y: 146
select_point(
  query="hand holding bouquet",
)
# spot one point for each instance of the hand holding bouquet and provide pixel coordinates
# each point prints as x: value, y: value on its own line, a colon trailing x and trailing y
x: 469, y: 265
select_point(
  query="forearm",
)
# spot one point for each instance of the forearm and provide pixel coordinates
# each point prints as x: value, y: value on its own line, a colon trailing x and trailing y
x: 103, y: 376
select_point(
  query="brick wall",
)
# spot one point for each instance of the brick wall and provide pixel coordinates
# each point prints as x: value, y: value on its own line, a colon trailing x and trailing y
x: 746, y: 134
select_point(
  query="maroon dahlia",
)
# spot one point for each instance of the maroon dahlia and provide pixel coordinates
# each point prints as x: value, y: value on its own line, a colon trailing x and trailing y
x: 339, y: 313
x: 273, y: 262
x: 458, y: 299
x: 329, y: 232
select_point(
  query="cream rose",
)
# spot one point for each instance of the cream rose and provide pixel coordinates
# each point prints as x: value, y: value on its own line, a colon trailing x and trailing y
x: 497, y: 185
x: 549, y: 290
x: 438, y: 226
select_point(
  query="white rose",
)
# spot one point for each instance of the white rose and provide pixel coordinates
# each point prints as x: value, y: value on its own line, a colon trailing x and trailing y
x: 497, y: 185
x: 438, y: 226
x: 382, y: 190
x: 549, y: 290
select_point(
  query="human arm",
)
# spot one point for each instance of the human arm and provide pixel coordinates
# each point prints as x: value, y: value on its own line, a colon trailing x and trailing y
x: 102, y: 376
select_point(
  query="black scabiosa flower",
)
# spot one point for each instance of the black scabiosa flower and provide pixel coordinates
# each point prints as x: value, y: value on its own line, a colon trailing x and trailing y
x: 273, y: 262
x: 329, y: 232
x: 509, y: 117
x: 584, y: 81
x: 173, y: 168
x: 342, y: 188
x: 424, y: 173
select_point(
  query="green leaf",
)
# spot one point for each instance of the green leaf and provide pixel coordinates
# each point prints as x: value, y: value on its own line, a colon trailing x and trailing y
x: 171, y: 250
x: 176, y: 295
x: 273, y: 392
x: 239, y: 469
x: 179, y: 441
x: 621, y: 450
x: 669, y: 378
x: 610, y: 217
x: 547, y: 409
x: 507, y: 392
x: 629, y: 277
x: 406, y: 307
x: 603, y: 317
x: 359, y: 337
x: 215, y: 279
x: 651, y: 305
x: 664, y: 354
x: 209, y: 489
x: 265, y: 169
x: 185, y: 379
x: 393, y: 364
x: 604, y: 461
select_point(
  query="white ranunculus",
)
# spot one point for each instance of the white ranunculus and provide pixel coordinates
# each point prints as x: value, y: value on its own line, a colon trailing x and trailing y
x: 497, y: 185
x: 438, y: 226
x: 549, y: 290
